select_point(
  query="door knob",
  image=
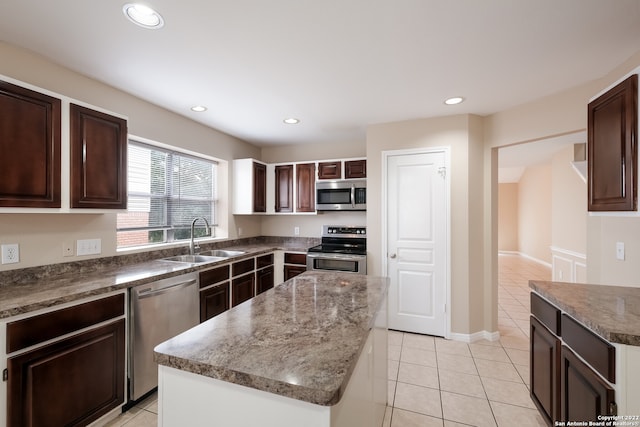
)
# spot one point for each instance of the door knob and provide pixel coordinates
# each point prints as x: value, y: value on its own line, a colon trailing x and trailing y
x: 392, y: 256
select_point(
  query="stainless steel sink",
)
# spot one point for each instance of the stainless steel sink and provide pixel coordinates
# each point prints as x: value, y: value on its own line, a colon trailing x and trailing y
x: 223, y: 253
x: 193, y: 259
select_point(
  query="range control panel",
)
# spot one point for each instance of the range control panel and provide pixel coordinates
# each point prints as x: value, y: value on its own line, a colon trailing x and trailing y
x: 344, y: 231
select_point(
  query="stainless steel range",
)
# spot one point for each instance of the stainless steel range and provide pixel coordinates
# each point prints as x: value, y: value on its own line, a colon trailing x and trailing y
x: 343, y: 248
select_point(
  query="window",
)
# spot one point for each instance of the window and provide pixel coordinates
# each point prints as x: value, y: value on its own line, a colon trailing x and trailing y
x: 167, y: 190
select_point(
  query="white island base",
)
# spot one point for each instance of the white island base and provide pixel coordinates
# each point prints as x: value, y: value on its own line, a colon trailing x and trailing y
x: 190, y: 399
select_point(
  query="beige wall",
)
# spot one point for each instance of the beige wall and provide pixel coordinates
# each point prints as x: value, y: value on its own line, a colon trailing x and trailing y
x: 304, y: 152
x: 508, y: 217
x: 566, y: 200
x: 534, y: 213
x: 463, y: 136
x: 568, y: 205
x: 40, y: 236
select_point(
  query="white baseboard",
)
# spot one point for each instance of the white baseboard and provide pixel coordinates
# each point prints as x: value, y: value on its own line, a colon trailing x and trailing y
x: 476, y: 336
x: 529, y: 257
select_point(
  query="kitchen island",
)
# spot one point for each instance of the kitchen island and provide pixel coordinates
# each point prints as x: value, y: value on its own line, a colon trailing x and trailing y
x: 585, y: 351
x: 312, y: 351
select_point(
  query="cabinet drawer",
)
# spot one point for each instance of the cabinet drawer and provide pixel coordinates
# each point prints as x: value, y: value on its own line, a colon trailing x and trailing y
x: 37, y: 329
x: 547, y: 314
x: 293, y: 258
x: 242, y: 267
x: 597, y: 352
x: 215, y: 275
x: 264, y: 261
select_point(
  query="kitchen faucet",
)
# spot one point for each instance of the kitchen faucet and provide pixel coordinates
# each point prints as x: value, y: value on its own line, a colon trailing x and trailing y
x: 192, y: 245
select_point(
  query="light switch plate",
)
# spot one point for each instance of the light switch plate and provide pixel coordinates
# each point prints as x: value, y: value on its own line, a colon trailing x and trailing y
x: 88, y: 247
x: 620, y: 251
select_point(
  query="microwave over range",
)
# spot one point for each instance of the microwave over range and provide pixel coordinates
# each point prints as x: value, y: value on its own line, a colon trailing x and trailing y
x: 341, y: 195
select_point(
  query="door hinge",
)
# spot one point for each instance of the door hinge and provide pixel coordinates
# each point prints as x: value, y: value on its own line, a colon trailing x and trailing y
x: 613, y: 408
x: 5, y: 375
x: 442, y: 171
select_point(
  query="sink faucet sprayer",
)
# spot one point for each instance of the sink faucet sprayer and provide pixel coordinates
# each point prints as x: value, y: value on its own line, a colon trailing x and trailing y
x: 192, y: 246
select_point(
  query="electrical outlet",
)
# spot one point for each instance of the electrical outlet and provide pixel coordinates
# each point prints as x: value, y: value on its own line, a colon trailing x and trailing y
x: 10, y: 253
x: 296, y: 231
x: 67, y: 249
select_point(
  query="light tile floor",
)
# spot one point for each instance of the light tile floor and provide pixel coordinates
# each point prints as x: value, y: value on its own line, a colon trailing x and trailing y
x: 436, y: 382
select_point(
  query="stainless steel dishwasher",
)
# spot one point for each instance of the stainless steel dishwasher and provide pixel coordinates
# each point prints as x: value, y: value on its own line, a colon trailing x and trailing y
x: 159, y: 310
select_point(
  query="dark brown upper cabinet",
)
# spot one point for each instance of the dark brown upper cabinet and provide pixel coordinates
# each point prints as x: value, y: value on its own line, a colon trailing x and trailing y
x: 29, y: 148
x: 612, y: 148
x: 259, y: 187
x: 306, y: 187
x: 355, y: 168
x: 98, y: 159
x: 284, y: 188
x: 330, y: 170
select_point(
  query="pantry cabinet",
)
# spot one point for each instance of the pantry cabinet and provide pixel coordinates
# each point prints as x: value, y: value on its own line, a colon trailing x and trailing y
x: 30, y: 143
x: 612, y: 152
x: 98, y: 159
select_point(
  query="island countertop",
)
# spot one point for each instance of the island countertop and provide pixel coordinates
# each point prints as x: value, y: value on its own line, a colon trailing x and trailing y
x: 613, y: 312
x: 300, y: 339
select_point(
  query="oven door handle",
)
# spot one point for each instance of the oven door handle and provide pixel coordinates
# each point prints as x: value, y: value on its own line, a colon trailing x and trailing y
x: 335, y: 256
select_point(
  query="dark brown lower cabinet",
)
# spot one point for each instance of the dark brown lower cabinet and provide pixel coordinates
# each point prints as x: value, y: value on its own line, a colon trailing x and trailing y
x: 71, y: 382
x: 243, y: 288
x: 214, y: 301
x: 265, y: 279
x: 544, y: 370
x: 294, y: 264
x: 584, y: 395
x: 291, y: 271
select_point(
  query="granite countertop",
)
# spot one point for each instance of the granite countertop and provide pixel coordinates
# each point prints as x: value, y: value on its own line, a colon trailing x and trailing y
x: 22, y: 291
x: 300, y: 339
x: 612, y: 312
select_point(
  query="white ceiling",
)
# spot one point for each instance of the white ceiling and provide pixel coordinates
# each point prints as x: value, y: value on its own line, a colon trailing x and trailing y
x: 337, y: 65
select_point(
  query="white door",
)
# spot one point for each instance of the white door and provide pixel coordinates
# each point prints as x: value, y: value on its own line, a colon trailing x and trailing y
x: 417, y: 241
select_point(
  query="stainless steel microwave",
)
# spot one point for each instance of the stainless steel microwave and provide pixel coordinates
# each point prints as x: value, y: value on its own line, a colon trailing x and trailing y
x: 341, y: 195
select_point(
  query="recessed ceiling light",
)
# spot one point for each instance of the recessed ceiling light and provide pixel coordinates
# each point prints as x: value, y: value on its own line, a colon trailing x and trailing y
x: 198, y: 108
x: 291, y: 121
x: 454, y: 100
x: 143, y: 16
